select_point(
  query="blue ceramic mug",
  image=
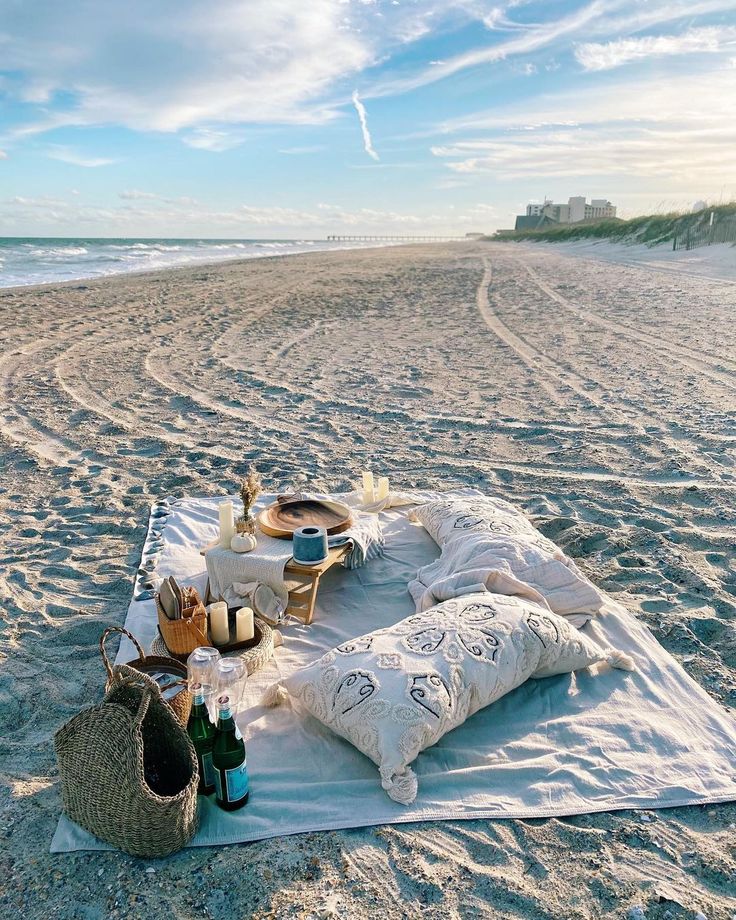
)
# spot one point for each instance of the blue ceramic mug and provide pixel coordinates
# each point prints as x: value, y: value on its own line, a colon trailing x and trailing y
x: 310, y: 545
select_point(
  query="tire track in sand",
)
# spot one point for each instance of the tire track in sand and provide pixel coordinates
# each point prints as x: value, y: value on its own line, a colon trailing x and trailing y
x: 30, y: 434
x: 696, y: 361
x: 539, y: 361
x: 534, y: 359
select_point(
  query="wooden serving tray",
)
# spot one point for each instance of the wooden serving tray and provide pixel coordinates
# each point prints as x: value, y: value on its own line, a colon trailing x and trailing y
x: 231, y: 646
x: 282, y: 518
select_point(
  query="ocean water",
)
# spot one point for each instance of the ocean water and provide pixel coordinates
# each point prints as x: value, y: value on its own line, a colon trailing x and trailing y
x: 36, y: 260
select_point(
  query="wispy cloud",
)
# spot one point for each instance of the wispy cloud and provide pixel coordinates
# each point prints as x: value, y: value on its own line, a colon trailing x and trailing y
x: 68, y: 155
x: 213, y: 139
x: 3, y: 155
x: 136, y: 195
x: 529, y: 40
x: 615, y: 131
x: 243, y: 220
x: 221, y: 63
x: 711, y: 39
x: 363, y: 118
x: 299, y: 151
x: 599, y: 17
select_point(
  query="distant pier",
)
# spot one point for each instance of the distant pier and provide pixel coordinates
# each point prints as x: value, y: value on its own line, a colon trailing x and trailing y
x: 396, y: 239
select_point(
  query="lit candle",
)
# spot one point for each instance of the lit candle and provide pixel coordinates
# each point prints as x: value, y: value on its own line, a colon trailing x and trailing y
x: 227, y: 524
x: 243, y: 624
x: 368, y: 498
x: 383, y: 488
x: 219, y: 629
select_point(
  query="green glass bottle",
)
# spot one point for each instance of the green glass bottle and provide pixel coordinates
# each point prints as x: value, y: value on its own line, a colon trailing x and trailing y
x: 228, y: 760
x: 202, y: 733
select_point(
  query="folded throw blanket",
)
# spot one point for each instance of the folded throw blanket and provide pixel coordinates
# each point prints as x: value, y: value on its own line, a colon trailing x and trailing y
x: 489, y: 545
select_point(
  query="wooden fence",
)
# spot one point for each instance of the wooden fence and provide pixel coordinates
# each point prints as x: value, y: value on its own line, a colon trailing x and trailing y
x: 706, y: 233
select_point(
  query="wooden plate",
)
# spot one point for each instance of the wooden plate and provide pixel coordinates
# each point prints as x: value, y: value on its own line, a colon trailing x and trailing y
x: 282, y: 518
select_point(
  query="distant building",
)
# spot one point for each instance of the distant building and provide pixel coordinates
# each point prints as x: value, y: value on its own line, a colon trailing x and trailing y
x: 533, y: 222
x: 535, y: 208
x: 576, y: 210
x: 475, y: 236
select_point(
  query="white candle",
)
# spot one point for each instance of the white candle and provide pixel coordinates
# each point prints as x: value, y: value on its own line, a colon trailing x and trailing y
x: 219, y: 629
x: 383, y: 488
x: 244, y: 624
x: 368, y: 498
x: 227, y: 524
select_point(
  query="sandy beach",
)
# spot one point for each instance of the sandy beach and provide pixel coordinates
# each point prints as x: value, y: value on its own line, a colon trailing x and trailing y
x: 599, y: 396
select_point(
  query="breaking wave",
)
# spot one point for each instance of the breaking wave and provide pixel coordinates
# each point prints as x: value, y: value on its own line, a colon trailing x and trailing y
x: 26, y: 261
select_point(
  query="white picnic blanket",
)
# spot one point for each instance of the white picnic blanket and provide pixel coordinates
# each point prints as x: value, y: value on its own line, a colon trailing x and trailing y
x: 565, y: 745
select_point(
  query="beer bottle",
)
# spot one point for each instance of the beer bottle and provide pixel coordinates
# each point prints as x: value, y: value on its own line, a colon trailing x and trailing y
x: 228, y: 759
x: 202, y: 733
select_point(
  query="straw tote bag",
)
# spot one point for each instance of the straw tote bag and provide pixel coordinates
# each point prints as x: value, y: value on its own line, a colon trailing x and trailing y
x: 128, y: 769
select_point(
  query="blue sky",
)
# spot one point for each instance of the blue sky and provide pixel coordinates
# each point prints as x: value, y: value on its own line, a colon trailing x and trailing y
x: 261, y: 118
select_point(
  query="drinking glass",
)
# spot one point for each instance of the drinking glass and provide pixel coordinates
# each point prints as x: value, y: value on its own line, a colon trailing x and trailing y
x: 232, y: 676
x: 202, y: 669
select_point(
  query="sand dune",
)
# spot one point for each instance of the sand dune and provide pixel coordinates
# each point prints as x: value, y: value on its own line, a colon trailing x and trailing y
x: 601, y: 397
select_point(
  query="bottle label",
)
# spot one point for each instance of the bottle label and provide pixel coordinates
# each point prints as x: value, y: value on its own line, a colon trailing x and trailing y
x: 235, y: 782
x: 208, y: 770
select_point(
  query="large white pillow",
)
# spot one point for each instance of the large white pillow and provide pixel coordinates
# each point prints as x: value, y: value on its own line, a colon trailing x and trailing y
x: 487, y: 542
x: 396, y: 691
x: 447, y: 519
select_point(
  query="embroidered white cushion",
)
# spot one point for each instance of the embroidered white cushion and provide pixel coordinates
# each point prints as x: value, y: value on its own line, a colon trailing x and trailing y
x: 486, y: 541
x: 448, y: 518
x: 394, y: 692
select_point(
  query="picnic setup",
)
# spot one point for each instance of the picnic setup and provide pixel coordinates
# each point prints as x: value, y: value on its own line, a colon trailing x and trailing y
x: 306, y: 662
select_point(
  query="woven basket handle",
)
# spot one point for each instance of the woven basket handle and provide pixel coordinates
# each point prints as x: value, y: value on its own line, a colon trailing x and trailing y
x: 201, y: 636
x: 124, y: 674
x: 103, y: 652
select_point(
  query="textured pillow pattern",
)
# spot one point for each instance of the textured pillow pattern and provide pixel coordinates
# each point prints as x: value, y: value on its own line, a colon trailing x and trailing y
x: 451, y: 518
x: 396, y: 691
x: 486, y: 540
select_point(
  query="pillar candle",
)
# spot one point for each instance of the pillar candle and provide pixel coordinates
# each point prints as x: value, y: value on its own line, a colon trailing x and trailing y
x: 227, y: 524
x: 244, y: 624
x: 383, y: 488
x: 368, y: 498
x: 219, y: 629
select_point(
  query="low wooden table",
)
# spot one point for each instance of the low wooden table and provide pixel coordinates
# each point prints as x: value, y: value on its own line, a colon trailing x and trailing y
x: 302, y: 582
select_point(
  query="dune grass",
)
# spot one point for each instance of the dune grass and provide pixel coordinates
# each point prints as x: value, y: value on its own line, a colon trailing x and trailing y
x: 649, y: 228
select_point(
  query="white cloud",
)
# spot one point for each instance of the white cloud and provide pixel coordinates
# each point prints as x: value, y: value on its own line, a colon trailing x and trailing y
x: 135, y: 195
x: 363, y: 118
x: 529, y: 40
x: 212, y: 139
x: 3, y: 155
x: 598, y: 17
x: 177, y: 217
x: 68, y: 155
x: 201, y: 68
x: 212, y: 66
x: 158, y: 67
x: 612, y: 54
x: 300, y: 151
x: 679, y: 132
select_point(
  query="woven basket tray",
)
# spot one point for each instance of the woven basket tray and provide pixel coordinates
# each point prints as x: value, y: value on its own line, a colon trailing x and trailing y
x: 184, y: 635
x: 254, y: 657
